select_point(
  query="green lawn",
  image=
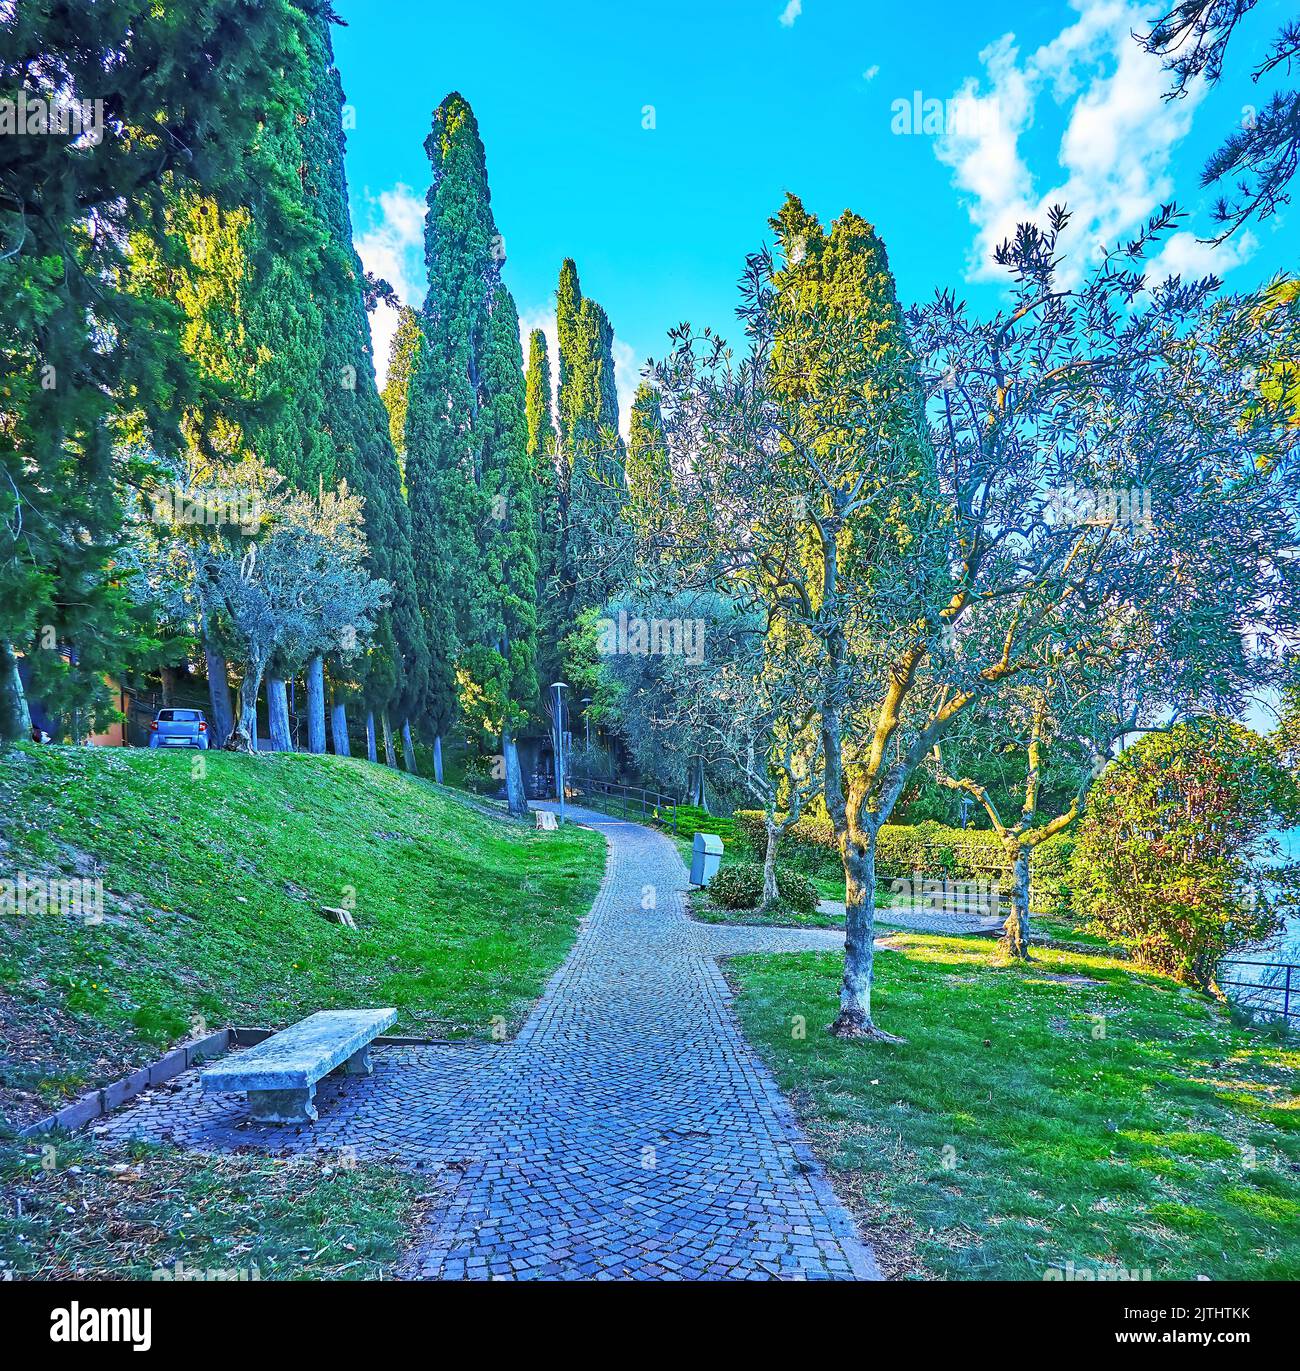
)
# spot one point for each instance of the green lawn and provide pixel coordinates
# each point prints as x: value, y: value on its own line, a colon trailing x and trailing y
x: 213, y: 888
x: 1029, y: 1122
x: 74, y: 1210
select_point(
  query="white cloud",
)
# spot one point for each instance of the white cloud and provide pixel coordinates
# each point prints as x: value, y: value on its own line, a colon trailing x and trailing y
x: 791, y: 12
x: 627, y: 376
x: 1185, y: 255
x: 393, y: 247
x: 1112, y: 165
x: 871, y: 72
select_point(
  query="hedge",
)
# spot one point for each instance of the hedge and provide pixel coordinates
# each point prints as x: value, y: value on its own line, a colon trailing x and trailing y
x: 962, y: 854
x: 691, y: 820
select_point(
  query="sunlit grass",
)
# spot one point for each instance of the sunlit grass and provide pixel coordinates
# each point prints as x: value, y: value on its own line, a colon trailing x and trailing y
x: 1112, y: 1119
x: 214, y: 888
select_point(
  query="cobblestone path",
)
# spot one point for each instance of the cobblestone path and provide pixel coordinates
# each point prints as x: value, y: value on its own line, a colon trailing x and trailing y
x: 629, y: 1131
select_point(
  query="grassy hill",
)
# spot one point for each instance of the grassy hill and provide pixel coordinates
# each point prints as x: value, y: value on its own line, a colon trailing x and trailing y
x: 214, y: 877
x: 1073, y: 1111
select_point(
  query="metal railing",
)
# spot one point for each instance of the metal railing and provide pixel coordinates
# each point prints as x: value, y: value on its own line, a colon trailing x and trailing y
x: 650, y: 800
x: 1255, y: 994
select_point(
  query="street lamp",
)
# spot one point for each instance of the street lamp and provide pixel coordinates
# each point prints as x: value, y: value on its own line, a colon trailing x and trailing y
x: 557, y: 687
x: 586, y: 703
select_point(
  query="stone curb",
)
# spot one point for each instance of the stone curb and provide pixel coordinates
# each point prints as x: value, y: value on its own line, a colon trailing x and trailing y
x: 96, y: 1103
x: 99, y: 1102
x: 860, y: 1255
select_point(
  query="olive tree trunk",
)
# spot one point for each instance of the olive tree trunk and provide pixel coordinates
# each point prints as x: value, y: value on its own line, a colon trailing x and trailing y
x: 316, y: 705
x: 223, y: 715
x: 390, y: 757
x: 1015, y: 932
x: 244, y: 736
x: 854, y: 1019
x: 277, y: 714
x: 770, y: 892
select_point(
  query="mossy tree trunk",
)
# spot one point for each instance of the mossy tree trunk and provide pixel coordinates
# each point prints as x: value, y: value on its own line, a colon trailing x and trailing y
x: 1015, y: 933
x: 316, y: 705
x: 15, y: 717
x: 771, y: 894
x: 339, y: 728
x: 854, y: 1019
x: 408, y: 747
x: 277, y: 714
x: 516, y: 800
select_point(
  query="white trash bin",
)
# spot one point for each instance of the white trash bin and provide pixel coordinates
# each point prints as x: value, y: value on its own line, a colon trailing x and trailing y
x: 706, y: 857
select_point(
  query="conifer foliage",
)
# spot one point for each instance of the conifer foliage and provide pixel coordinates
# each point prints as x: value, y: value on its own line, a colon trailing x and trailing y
x: 469, y: 477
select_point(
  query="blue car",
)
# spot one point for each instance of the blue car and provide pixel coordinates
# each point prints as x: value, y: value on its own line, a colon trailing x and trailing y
x: 179, y: 728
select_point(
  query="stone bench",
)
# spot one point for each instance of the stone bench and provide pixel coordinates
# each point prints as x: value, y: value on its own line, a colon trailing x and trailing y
x: 280, y: 1074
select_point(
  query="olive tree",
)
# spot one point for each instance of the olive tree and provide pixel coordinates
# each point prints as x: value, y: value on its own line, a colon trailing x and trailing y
x: 294, y: 588
x: 895, y: 497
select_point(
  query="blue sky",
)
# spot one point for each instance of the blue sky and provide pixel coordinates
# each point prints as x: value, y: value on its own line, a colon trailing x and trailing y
x: 752, y: 98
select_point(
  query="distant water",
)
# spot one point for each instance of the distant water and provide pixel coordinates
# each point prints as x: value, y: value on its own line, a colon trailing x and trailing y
x: 1286, y: 946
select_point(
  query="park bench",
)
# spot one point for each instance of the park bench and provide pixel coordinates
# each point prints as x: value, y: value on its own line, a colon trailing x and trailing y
x: 280, y: 1073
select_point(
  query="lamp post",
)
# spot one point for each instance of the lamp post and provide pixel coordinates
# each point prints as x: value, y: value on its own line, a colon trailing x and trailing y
x: 558, y: 687
x: 586, y: 703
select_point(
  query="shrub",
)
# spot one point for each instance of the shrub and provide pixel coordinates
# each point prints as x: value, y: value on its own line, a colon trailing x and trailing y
x: 797, y: 891
x: 934, y: 849
x: 1050, y: 878
x: 1171, y: 859
x: 739, y: 885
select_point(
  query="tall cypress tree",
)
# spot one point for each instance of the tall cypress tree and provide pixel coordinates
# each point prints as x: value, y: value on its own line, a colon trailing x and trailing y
x: 592, y: 450
x: 396, y: 671
x: 568, y: 301
x: 501, y: 664
x: 650, y: 491
x: 444, y: 458
x: 552, y: 496
x: 397, y: 388
x: 537, y: 404
x: 183, y: 93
